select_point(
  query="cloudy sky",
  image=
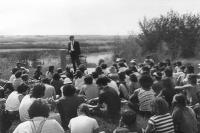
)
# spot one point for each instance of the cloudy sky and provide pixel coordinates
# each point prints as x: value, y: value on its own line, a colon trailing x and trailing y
x: 100, y: 17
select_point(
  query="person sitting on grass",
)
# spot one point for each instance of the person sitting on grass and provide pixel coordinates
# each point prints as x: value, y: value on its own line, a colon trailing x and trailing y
x: 12, y: 77
x: 37, y: 74
x: 168, y: 85
x: 78, y: 80
x: 50, y: 91
x: 128, y: 123
x: 133, y: 84
x: 191, y: 89
x: 89, y: 89
x: 157, y: 84
x: 123, y: 88
x: 184, y: 117
x: 37, y: 92
x: 18, y: 80
x: 39, y: 112
x: 67, y: 105
x: 12, y: 106
x: 162, y: 121
x: 83, y: 123
x: 108, y: 97
x: 49, y: 73
x: 142, y: 97
x: 57, y: 83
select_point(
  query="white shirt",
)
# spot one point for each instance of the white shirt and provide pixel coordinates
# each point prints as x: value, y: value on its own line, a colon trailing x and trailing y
x: 24, y: 107
x: 72, y: 45
x: 12, y: 102
x: 12, y: 78
x: 50, y: 92
x: 79, y: 82
x: 83, y: 124
x: 50, y: 126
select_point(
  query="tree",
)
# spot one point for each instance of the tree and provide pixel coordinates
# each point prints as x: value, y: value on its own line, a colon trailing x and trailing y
x: 180, y: 33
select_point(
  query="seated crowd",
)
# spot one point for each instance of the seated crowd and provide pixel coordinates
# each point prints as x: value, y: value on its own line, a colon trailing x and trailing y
x: 166, y: 95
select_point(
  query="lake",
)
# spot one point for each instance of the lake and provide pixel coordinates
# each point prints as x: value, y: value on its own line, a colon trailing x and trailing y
x: 45, y: 57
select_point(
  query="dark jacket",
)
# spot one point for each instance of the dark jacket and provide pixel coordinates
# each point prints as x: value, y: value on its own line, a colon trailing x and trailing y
x: 77, y: 50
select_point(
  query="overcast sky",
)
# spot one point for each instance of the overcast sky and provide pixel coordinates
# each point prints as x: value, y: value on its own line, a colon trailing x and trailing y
x: 99, y: 17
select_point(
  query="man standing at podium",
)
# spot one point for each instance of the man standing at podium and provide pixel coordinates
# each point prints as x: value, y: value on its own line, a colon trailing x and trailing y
x: 74, y: 51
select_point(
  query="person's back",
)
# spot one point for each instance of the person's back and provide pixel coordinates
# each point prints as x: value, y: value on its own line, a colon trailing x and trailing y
x: 49, y: 91
x: 145, y: 97
x: 168, y: 89
x: 50, y: 126
x: 185, y: 118
x: 110, y: 97
x: 67, y: 107
x: 12, y: 102
x: 24, y: 106
x: 90, y: 91
x: 157, y: 87
x: 57, y: 84
x: 82, y: 124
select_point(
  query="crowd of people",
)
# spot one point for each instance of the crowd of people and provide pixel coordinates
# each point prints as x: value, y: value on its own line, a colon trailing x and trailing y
x: 166, y: 94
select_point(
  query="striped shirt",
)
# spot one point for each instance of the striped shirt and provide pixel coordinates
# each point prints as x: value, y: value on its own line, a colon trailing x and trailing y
x: 162, y: 123
x: 145, y: 98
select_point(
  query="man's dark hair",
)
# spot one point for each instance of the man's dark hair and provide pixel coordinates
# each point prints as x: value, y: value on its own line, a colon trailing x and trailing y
x: 179, y: 63
x: 94, y: 75
x: 122, y: 76
x: 69, y: 90
x: 46, y: 81
x: 78, y: 74
x: 128, y: 71
x: 38, y: 90
x: 103, y: 66
x: 14, y: 70
x: 190, y: 69
x: 99, y: 70
x: 133, y: 78
x: 39, y: 67
x: 56, y: 76
x: 82, y: 68
x: 168, y: 72
x: 192, y: 78
x: 83, y: 108
x: 39, y: 108
x: 71, y: 37
x: 146, y: 82
x: 88, y: 79
x: 18, y: 74
x: 146, y: 69
x: 180, y: 99
x: 24, y: 77
x: 128, y: 117
x: 51, y: 68
x: 102, y: 81
x: 59, y: 70
x: 121, y: 64
x: 22, y: 88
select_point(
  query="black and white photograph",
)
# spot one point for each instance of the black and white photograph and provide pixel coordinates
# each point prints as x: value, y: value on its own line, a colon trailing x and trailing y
x: 99, y: 66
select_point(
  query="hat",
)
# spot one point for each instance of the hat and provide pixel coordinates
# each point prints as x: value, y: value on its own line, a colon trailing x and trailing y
x: 67, y: 81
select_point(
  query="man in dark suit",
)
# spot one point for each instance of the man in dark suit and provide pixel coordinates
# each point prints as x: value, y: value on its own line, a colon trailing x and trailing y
x: 74, y: 51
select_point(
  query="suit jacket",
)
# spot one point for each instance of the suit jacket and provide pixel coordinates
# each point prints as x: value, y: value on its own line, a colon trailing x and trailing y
x: 77, y: 50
